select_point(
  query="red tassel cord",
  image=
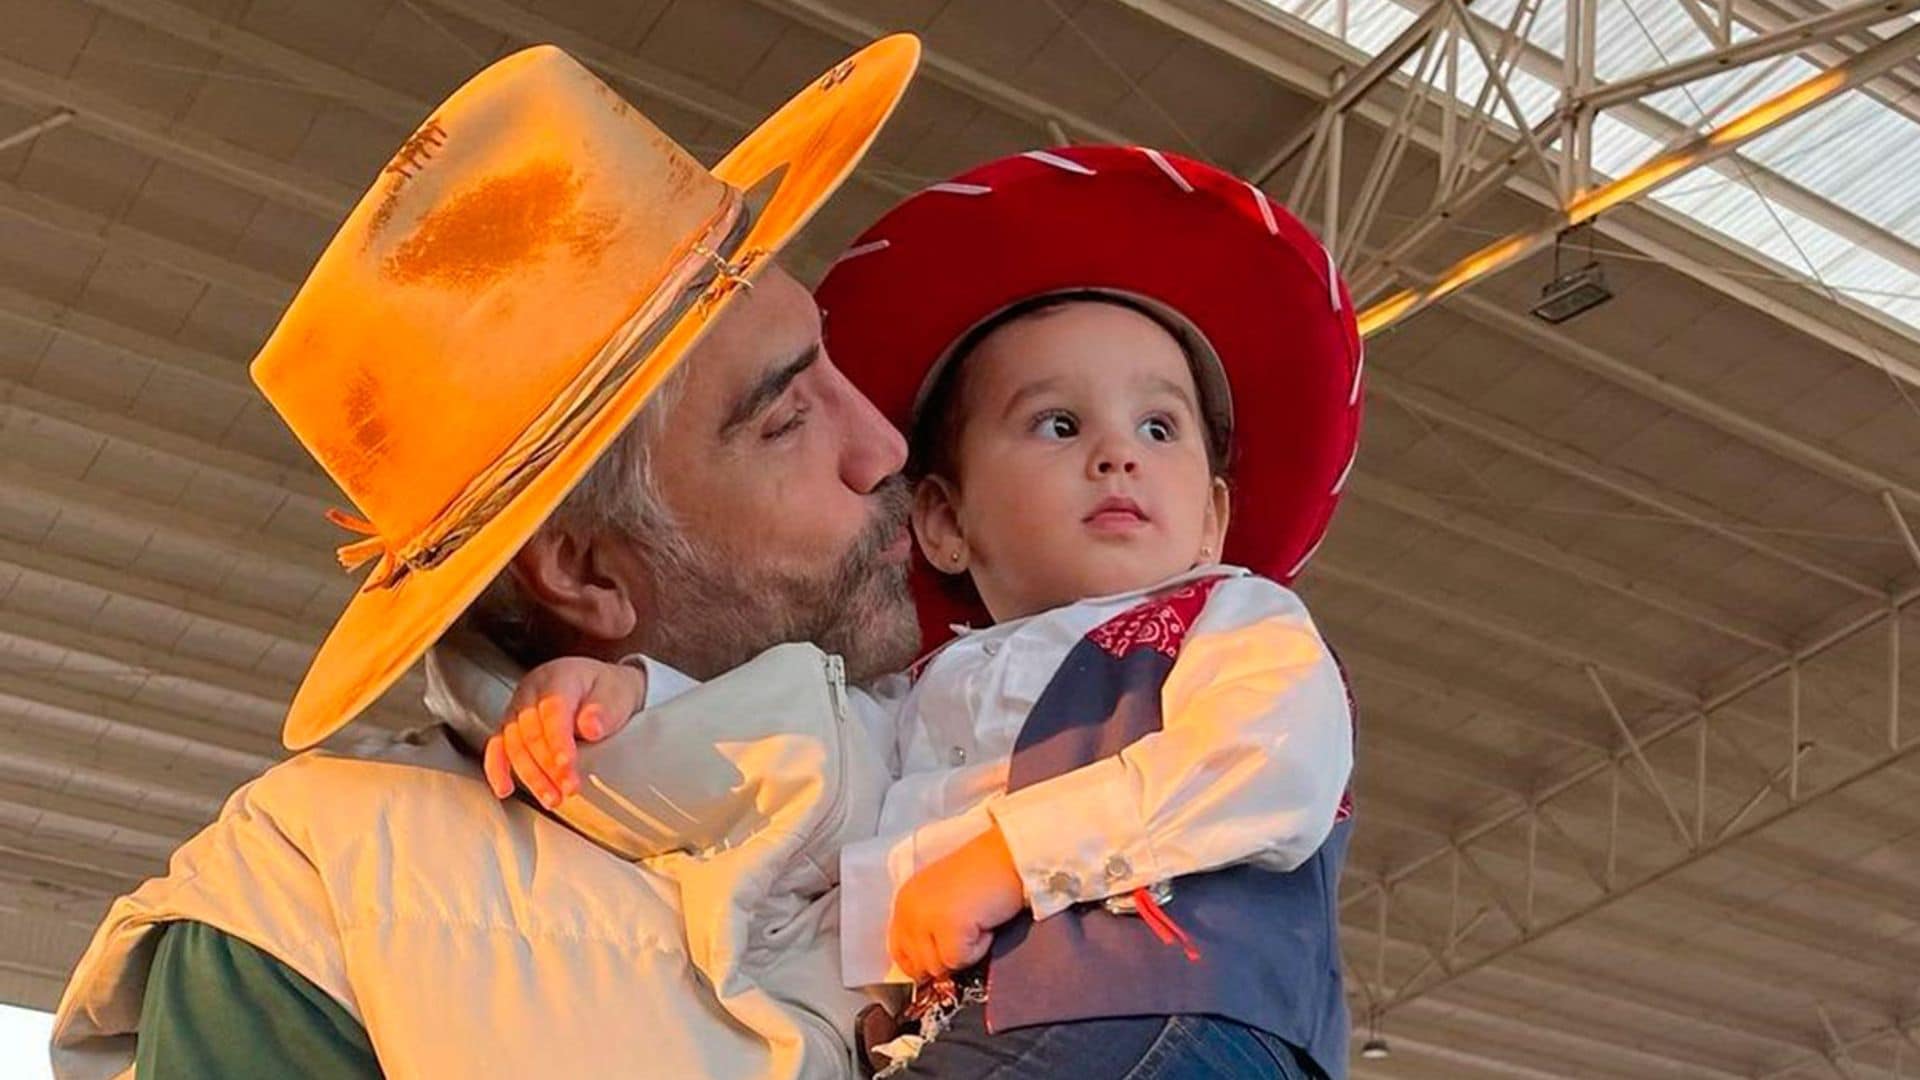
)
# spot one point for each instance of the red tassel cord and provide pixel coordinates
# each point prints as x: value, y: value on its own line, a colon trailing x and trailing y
x: 1163, y: 926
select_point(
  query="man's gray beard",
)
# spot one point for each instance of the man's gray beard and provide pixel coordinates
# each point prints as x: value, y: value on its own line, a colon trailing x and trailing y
x: 708, y: 615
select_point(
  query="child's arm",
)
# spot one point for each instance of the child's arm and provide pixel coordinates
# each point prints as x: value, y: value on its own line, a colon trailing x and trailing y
x: 1252, y: 760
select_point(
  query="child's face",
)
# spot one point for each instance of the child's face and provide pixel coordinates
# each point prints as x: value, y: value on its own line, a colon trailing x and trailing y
x: 1081, y: 460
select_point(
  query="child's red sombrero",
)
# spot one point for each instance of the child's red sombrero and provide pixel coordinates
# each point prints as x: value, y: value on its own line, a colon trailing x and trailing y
x: 1183, y: 236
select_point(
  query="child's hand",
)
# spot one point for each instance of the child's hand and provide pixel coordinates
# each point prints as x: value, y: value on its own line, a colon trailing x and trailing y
x: 945, y: 915
x: 536, y: 741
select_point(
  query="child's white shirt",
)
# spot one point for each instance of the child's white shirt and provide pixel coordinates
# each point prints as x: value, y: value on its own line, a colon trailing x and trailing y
x: 1251, y: 763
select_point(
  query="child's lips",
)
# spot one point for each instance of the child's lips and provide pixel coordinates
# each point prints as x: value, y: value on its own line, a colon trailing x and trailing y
x: 1116, y: 515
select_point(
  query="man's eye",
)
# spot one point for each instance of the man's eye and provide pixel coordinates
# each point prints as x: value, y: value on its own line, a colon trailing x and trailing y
x: 787, y: 426
x: 1158, y: 428
x: 1056, y: 425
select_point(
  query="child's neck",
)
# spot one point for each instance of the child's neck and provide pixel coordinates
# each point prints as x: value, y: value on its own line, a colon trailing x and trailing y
x: 1012, y: 611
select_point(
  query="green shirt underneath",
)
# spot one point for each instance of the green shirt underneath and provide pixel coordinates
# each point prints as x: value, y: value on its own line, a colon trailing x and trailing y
x: 216, y: 1006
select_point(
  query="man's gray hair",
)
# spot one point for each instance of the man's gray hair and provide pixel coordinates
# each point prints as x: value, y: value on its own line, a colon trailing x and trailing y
x: 618, y: 496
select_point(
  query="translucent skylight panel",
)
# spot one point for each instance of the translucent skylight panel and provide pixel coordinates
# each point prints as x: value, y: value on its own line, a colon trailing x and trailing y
x: 1855, y: 152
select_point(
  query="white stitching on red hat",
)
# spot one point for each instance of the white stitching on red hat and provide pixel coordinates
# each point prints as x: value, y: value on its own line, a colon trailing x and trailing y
x: 1297, y: 567
x: 954, y: 188
x: 1359, y: 365
x: 863, y: 249
x: 1058, y: 162
x: 1166, y: 166
x: 1266, y: 211
x: 1333, y: 278
x: 1348, y: 471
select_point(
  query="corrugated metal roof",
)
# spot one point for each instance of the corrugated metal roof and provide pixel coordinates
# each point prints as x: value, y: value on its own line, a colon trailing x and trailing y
x: 1855, y: 152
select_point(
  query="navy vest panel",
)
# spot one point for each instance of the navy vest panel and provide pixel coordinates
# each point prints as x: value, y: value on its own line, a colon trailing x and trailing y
x: 1267, y: 940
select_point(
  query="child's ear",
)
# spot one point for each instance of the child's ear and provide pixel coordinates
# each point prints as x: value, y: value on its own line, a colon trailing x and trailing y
x: 936, y: 525
x: 1219, y: 513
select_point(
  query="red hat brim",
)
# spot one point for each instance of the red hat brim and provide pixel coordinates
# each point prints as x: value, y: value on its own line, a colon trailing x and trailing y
x: 1248, y: 276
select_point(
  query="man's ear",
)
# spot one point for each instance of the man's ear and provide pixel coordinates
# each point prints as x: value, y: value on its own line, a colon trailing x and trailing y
x: 936, y: 525
x: 575, y: 579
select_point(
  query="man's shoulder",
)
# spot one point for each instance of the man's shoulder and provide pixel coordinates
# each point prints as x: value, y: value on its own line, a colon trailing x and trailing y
x: 383, y: 765
x: 412, y: 820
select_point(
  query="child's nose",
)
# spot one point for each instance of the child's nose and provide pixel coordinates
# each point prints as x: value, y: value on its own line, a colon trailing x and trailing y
x: 1114, y: 458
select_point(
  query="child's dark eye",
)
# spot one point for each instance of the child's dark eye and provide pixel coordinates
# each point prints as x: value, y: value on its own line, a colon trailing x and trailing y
x: 1159, y: 429
x: 1056, y: 425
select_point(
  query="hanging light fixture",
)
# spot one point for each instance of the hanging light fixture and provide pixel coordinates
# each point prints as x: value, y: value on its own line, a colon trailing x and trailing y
x: 1576, y: 293
x: 1375, y: 1048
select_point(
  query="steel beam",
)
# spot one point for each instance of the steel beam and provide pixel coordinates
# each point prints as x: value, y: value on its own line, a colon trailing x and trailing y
x: 88, y: 718
x: 157, y: 136
x: 34, y: 407
x: 1377, y: 69
x: 57, y: 119
x: 1259, y: 35
x: 1682, y: 509
x: 1749, y: 429
x: 1481, y: 529
x: 942, y: 68
x: 99, y: 233
x: 1793, y: 38
x: 1854, y: 777
x: 304, y: 565
x: 1663, y: 168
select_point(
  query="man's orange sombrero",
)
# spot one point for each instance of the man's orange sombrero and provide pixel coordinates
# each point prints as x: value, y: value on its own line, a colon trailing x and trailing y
x: 498, y: 307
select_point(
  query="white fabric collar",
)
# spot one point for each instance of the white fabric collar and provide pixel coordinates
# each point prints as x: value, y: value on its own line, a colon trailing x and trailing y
x: 1002, y: 629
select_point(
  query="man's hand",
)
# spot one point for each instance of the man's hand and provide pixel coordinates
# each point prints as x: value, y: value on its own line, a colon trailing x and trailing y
x: 556, y: 699
x: 945, y: 915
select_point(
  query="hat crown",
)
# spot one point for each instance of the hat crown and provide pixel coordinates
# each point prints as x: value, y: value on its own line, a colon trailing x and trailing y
x: 481, y: 277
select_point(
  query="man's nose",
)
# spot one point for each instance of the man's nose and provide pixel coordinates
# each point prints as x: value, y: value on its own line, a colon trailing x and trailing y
x: 872, y: 449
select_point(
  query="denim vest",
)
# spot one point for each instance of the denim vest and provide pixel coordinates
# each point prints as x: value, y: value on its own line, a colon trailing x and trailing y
x: 1267, y: 940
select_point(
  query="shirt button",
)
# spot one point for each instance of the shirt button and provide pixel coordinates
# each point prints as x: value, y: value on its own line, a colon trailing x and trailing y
x: 1118, y: 867
x: 957, y: 756
x: 990, y: 647
x: 1063, y: 883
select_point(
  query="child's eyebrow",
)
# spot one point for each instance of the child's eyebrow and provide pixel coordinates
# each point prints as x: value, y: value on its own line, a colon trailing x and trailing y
x: 1031, y: 390
x: 1167, y: 386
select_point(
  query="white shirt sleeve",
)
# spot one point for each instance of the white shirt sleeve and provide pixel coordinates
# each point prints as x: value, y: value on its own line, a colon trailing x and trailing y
x: 663, y: 683
x: 872, y: 871
x: 871, y: 874
x: 1252, y: 759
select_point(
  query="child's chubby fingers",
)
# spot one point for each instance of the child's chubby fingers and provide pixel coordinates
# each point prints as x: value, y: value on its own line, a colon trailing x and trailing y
x: 914, y: 950
x: 525, y: 766
x: 533, y: 728
x: 902, y: 956
x: 962, y: 949
x: 499, y: 771
x: 558, y: 712
x: 534, y: 765
x: 618, y: 691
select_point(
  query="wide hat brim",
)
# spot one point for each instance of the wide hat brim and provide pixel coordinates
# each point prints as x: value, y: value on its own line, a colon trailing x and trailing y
x: 803, y: 153
x: 1190, y: 238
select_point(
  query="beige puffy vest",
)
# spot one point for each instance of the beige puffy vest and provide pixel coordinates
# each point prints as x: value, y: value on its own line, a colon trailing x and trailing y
x: 478, y: 938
